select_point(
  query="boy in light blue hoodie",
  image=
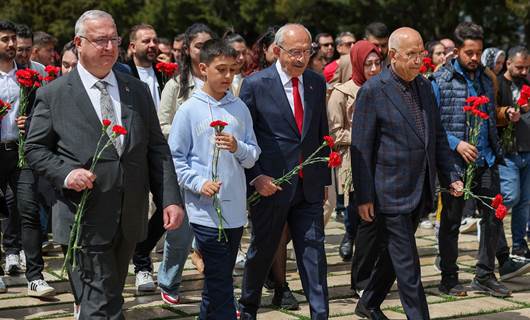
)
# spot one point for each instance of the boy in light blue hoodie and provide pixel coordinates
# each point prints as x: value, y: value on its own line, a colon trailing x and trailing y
x: 192, y: 141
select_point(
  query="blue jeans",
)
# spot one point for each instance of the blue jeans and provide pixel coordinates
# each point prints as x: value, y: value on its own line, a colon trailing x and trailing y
x: 515, y: 188
x: 219, y: 259
x: 176, y: 249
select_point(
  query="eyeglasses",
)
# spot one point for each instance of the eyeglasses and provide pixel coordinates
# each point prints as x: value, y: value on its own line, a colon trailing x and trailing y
x: 297, y: 53
x: 414, y: 55
x: 101, y: 43
x: 329, y: 44
x: 347, y: 43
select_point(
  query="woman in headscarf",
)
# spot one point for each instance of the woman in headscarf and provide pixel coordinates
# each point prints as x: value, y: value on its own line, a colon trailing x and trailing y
x: 493, y: 58
x: 366, y: 62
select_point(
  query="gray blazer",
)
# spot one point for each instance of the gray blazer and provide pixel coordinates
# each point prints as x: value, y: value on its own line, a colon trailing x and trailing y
x: 62, y: 136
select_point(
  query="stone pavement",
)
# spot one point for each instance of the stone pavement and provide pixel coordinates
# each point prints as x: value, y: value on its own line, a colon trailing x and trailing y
x: 16, y: 305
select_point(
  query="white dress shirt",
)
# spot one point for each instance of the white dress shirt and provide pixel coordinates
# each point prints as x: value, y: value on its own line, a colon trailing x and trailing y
x: 89, y: 81
x: 9, y: 92
x: 288, y: 86
x: 148, y: 76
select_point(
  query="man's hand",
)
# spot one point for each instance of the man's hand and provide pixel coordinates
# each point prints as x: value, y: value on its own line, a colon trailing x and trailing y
x: 265, y: 187
x: 513, y: 115
x: 80, y: 179
x: 456, y: 189
x: 468, y: 151
x: 226, y: 141
x: 21, y: 124
x: 173, y: 217
x: 209, y: 188
x: 366, y: 211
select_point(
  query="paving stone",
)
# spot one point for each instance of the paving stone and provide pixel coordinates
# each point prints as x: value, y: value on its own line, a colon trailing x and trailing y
x: 469, y: 306
x: 270, y: 314
x: 520, y: 314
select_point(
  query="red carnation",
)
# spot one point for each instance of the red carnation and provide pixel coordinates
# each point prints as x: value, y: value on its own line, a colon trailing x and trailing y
x: 334, y: 160
x: 484, y: 115
x: 218, y: 123
x: 468, y: 108
x: 53, y: 73
x: 497, y: 201
x: 106, y: 122
x: 167, y: 68
x: 119, y: 130
x: 329, y: 141
x: 524, y: 96
x: 4, y: 108
x: 501, y: 212
x: 28, y: 78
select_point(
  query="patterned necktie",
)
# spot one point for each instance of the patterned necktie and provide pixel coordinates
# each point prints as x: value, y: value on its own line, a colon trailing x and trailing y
x: 107, y: 112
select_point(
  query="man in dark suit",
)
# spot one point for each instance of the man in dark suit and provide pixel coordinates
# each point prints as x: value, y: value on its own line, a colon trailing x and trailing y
x: 144, y: 48
x: 397, y: 146
x: 62, y: 138
x: 287, y: 104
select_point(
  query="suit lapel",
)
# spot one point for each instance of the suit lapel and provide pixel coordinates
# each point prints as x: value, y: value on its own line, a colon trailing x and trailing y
x: 277, y: 92
x: 392, y: 91
x: 308, y: 108
x: 83, y: 103
x: 126, y: 110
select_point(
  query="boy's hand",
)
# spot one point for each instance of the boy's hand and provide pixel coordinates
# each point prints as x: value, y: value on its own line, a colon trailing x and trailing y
x: 467, y: 151
x: 226, y: 141
x: 209, y: 188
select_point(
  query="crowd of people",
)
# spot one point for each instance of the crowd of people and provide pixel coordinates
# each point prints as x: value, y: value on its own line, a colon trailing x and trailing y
x: 179, y: 178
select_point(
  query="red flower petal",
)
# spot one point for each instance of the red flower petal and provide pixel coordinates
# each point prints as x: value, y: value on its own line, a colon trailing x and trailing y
x: 501, y: 212
x: 329, y: 141
x: 218, y: 123
x: 119, y: 130
x: 498, y: 200
x: 106, y: 122
x: 334, y: 160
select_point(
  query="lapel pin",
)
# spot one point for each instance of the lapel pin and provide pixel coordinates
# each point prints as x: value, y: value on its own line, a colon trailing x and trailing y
x: 127, y: 89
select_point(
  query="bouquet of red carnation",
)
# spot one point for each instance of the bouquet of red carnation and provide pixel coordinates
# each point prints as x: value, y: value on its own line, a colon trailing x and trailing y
x: 52, y: 73
x: 427, y: 67
x: 334, y: 160
x: 75, y: 233
x: 474, y: 120
x: 4, y: 108
x: 218, y: 126
x: 29, y: 80
x: 167, y: 69
x: 508, y: 134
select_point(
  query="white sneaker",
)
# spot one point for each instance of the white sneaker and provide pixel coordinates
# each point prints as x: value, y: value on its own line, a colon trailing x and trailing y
x: 22, y: 259
x: 12, y: 264
x: 469, y: 225
x: 77, y: 311
x: 426, y: 224
x: 144, y: 281
x: 3, y: 287
x: 40, y: 288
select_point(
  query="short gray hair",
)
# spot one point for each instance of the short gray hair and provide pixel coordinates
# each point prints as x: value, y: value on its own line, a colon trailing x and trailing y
x: 278, y: 37
x: 338, y: 39
x: 90, y: 15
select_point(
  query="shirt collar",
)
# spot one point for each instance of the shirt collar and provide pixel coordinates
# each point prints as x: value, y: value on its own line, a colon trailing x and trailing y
x: 89, y: 79
x: 10, y: 72
x: 465, y: 74
x: 284, y: 77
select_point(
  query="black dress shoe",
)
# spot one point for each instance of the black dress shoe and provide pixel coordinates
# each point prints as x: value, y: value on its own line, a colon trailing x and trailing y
x: 283, y: 298
x: 346, y: 247
x: 372, y: 314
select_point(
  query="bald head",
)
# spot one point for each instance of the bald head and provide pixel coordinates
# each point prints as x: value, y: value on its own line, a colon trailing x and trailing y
x: 403, y: 37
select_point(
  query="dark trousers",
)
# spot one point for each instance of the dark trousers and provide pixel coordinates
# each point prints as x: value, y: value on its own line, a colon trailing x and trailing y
x: 29, y: 210
x: 351, y: 216
x: 486, y: 183
x: 306, y: 225
x: 8, y: 184
x: 219, y: 259
x: 398, y: 256
x: 365, y: 255
x: 99, y: 279
x: 142, y: 252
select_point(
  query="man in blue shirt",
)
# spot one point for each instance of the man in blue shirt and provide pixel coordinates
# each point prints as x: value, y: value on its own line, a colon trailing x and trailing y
x: 461, y: 78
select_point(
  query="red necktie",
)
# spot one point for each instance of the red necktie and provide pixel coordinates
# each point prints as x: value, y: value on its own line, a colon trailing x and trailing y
x: 298, y: 109
x: 298, y: 114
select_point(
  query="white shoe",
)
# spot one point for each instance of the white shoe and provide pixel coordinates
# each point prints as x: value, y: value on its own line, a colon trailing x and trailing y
x: 12, y: 264
x: 3, y: 287
x: 144, y: 281
x: 469, y: 225
x: 22, y: 259
x: 40, y: 288
x: 426, y: 224
x: 77, y: 311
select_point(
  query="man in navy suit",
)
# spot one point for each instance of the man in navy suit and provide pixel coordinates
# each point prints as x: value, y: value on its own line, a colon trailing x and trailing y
x: 398, y: 144
x: 287, y: 104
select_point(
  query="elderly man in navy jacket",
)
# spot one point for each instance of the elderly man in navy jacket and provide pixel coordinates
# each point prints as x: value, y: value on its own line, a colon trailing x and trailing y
x: 398, y: 144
